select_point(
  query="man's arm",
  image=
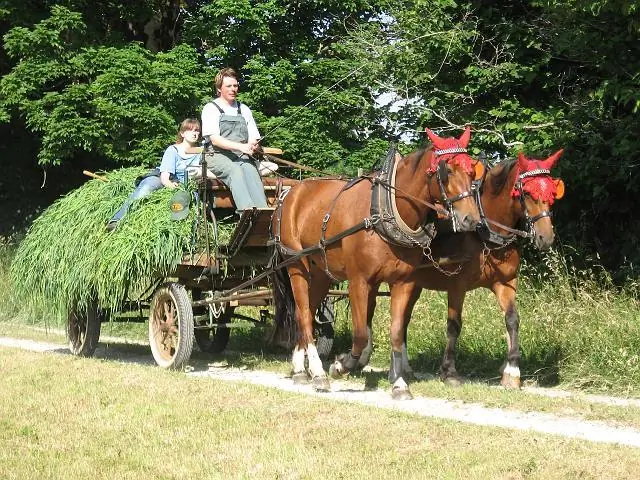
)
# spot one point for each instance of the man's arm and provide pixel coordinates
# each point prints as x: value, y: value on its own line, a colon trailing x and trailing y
x: 248, y: 148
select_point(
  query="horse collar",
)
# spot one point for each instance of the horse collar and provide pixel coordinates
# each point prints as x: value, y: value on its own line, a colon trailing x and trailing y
x: 390, y: 225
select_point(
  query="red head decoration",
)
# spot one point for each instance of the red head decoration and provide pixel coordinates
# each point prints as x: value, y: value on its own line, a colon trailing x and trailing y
x: 536, y: 178
x: 454, y: 151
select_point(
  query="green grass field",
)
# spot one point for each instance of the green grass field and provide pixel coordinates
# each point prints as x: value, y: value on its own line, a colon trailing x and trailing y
x: 62, y: 417
x: 66, y: 417
x: 573, y: 331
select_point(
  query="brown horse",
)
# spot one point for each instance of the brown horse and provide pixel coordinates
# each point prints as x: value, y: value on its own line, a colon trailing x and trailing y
x: 336, y: 229
x: 512, y: 193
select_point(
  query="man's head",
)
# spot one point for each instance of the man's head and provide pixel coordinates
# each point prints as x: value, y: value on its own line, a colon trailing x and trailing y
x: 226, y: 83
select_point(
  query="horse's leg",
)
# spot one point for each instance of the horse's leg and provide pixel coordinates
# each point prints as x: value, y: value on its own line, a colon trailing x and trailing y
x: 448, y: 373
x: 365, y: 356
x: 300, y: 284
x: 361, y: 296
x: 402, y: 300
x: 320, y: 284
x: 406, y: 368
x: 506, y: 295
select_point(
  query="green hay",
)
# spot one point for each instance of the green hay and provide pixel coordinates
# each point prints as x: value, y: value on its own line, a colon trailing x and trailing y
x: 68, y: 258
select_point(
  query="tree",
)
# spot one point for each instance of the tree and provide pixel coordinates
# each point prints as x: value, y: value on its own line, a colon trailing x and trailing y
x: 120, y: 103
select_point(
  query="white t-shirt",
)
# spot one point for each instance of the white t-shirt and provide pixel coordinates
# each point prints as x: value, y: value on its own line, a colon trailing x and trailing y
x: 211, y: 118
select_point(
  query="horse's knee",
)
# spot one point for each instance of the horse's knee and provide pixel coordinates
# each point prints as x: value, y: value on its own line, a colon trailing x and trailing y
x: 454, y: 327
x: 511, y: 317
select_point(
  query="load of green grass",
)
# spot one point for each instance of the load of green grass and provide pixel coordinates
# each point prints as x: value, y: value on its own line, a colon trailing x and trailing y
x: 68, y: 259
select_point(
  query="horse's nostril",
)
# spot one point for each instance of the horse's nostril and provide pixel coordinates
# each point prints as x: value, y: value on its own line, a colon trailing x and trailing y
x: 468, y: 223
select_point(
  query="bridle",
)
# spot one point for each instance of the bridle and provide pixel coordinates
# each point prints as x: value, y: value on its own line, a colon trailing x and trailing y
x: 529, y: 220
x: 529, y: 231
x: 442, y: 177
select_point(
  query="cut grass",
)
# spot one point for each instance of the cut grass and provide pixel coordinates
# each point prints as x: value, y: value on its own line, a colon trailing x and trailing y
x: 64, y: 417
x: 485, y: 393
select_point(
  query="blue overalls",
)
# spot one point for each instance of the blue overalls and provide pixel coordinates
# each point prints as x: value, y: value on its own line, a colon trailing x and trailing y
x: 236, y: 170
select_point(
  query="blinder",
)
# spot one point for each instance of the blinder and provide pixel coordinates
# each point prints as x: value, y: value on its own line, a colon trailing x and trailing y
x: 443, y: 171
x: 559, y: 188
x: 479, y: 170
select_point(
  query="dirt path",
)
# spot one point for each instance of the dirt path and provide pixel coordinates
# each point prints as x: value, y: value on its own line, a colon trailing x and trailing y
x: 345, y: 391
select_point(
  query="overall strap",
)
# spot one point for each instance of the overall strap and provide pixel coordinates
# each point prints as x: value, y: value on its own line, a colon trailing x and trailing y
x: 218, y: 107
x: 222, y: 111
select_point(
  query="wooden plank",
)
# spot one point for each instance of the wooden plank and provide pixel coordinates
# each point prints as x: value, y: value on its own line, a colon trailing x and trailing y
x: 246, y: 233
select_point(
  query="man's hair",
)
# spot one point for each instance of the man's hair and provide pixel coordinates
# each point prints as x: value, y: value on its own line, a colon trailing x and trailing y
x: 187, y: 124
x: 225, y: 72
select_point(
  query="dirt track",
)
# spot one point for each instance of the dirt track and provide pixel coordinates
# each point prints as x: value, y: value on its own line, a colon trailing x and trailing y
x: 345, y: 391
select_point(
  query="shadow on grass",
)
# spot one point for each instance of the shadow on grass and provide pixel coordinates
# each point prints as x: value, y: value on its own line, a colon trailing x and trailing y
x: 249, y: 349
x: 540, y: 365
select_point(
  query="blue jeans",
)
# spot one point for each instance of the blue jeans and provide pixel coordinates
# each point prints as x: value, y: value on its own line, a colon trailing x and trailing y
x: 145, y: 188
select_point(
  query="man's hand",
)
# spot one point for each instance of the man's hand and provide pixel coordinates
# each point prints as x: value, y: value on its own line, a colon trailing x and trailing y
x: 252, y: 147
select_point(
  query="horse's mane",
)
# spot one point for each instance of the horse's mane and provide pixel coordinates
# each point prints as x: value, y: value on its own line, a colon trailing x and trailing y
x: 498, y: 175
x: 416, y: 157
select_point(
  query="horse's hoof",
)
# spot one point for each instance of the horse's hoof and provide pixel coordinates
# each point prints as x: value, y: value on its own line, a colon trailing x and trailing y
x: 336, y: 370
x: 300, y: 378
x: 321, y: 384
x: 510, y: 382
x: 401, y: 393
x: 452, y: 381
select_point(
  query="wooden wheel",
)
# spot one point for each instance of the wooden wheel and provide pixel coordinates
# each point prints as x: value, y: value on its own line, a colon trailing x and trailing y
x: 83, y: 330
x: 171, y: 326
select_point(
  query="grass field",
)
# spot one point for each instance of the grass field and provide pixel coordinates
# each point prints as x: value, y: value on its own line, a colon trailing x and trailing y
x: 65, y: 417
x: 62, y: 417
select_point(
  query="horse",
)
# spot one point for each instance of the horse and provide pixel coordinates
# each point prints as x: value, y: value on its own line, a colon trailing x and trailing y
x: 511, y: 193
x: 334, y: 230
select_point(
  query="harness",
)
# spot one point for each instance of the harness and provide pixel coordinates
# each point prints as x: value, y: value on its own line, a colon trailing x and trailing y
x: 365, y: 224
x: 442, y: 175
x: 383, y: 211
x: 386, y: 220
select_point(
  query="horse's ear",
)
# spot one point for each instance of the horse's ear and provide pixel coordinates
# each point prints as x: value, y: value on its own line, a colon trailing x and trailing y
x: 465, y: 137
x: 551, y: 161
x: 559, y: 188
x: 433, y: 137
x: 523, y: 162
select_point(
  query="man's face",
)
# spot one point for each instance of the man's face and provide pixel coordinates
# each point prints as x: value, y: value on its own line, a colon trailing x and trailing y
x: 229, y: 89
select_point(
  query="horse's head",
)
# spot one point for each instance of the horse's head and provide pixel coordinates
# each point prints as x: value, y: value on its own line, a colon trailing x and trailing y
x: 451, y: 171
x: 537, y: 191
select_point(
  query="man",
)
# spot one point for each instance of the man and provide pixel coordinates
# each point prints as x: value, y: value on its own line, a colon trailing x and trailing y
x: 233, y: 132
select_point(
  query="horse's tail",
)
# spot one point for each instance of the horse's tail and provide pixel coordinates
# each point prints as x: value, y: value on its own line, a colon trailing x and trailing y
x: 285, y: 331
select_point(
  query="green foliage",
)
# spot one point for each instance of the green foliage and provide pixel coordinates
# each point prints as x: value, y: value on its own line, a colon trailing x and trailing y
x: 68, y: 258
x: 332, y: 82
x: 119, y: 103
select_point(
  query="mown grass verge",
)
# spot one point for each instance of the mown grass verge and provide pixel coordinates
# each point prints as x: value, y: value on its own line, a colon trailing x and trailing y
x: 64, y: 417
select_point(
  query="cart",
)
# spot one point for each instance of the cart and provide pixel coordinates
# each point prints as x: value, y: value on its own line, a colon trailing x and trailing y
x: 198, y: 301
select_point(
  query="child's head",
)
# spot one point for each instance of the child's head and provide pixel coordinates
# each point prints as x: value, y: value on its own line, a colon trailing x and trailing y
x: 187, y: 125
